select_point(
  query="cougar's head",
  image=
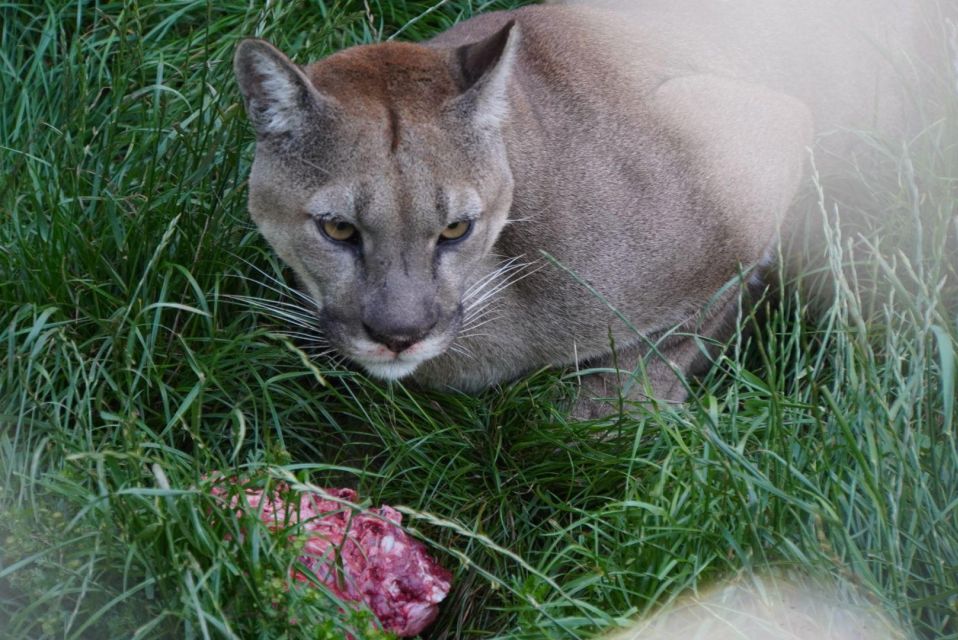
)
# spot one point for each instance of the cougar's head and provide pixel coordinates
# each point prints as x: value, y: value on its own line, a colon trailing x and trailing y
x: 381, y: 178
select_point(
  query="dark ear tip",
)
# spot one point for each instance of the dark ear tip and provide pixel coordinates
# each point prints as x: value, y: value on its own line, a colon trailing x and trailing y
x: 254, y: 42
x: 479, y: 58
x: 509, y: 31
x: 514, y: 35
x: 252, y: 46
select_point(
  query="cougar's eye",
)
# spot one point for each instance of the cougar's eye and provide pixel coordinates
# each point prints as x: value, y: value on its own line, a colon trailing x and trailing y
x: 455, y: 231
x: 340, y: 231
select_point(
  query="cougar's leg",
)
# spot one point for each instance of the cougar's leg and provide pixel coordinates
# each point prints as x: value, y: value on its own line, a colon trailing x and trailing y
x: 660, y: 365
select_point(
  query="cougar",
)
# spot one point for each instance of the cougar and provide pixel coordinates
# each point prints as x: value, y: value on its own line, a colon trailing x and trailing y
x: 557, y: 186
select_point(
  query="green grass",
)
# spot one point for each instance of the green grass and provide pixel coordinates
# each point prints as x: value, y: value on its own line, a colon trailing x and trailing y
x: 130, y: 366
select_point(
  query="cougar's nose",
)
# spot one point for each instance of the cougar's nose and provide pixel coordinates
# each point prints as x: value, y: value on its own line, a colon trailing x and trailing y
x: 397, y: 338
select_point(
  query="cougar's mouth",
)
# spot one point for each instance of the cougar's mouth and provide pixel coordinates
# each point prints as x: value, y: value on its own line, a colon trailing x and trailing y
x: 382, y: 362
x: 392, y: 362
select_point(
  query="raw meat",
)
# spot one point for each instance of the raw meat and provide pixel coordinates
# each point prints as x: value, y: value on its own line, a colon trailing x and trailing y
x: 360, y: 555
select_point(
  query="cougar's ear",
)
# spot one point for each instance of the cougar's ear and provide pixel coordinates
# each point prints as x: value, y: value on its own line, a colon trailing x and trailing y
x: 279, y: 97
x: 748, y: 145
x: 484, y: 69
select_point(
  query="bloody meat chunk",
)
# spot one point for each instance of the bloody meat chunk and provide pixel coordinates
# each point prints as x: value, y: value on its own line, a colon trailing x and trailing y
x: 360, y: 555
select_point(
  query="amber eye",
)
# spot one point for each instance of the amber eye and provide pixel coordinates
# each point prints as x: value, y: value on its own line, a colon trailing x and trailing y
x: 340, y: 231
x: 455, y: 231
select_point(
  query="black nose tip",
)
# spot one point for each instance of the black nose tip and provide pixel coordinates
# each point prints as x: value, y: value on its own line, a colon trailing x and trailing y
x: 396, y: 341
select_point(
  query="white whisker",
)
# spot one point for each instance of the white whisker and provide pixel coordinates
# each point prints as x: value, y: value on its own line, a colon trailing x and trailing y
x: 467, y: 336
x: 275, y: 305
x: 461, y: 350
x: 484, y: 297
x: 305, y: 337
x: 280, y: 286
x: 497, y: 279
x: 504, y: 265
x: 509, y: 274
x: 303, y: 322
x: 472, y: 327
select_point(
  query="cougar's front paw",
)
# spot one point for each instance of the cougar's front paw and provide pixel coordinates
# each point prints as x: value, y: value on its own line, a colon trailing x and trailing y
x: 598, y: 397
x: 604, y: 395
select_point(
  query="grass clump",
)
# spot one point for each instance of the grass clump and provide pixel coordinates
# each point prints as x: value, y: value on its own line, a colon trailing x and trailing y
x: 132, y: 364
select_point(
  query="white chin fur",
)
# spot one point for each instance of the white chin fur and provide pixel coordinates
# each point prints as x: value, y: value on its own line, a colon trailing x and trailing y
x: 382, y: 363
x: 394, y: 370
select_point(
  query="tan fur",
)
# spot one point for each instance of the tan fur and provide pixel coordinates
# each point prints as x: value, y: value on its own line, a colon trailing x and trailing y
x: 635, y: 162
x: 392, y: 74
x: 769, y: 608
